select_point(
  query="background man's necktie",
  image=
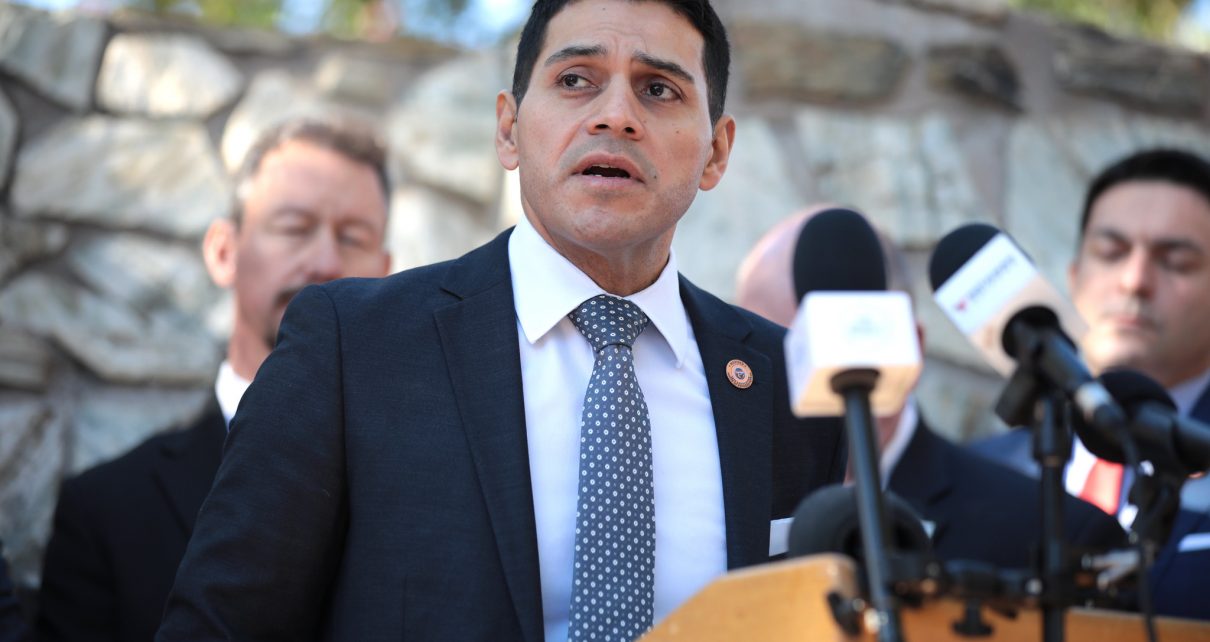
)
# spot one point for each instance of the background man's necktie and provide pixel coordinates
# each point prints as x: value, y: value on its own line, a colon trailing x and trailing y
x: 1103, y: 486
x: 613, y: 582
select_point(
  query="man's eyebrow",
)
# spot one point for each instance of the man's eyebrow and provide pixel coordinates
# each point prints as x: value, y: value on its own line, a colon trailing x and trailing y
x: 584, y: 51
x: 1163, y: 244
x: 574, y: 51
x: 666, y: 66
x: 1176, y: 244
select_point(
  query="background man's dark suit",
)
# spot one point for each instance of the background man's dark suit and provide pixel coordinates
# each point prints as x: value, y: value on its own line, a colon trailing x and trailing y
x: 120, y: 532
x: 376, y: 481
x: 982, y: 510
x: 1179, y: 580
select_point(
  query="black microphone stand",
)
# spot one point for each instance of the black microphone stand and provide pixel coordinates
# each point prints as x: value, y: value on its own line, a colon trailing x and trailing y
x: 1052, y: 449
x: 855, y: 387
x: 1027, y: 400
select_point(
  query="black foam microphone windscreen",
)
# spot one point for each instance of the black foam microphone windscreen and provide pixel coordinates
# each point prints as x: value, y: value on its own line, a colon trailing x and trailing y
x: 955, y: 249
x: 1131, y: 389
x: 827, y: 522
x: 838, y: 251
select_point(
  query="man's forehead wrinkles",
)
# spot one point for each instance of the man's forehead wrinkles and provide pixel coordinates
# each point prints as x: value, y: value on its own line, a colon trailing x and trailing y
x: 641, y: 56
x: 576, y: 51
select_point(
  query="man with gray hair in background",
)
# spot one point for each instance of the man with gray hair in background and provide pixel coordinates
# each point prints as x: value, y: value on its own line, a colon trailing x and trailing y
x: 311, y: 206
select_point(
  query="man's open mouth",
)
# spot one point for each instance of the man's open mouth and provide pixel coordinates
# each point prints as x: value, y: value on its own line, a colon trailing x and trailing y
x: 606, y: 171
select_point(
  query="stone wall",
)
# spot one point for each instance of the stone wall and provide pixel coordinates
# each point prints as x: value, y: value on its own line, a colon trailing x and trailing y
x: 115, y: 136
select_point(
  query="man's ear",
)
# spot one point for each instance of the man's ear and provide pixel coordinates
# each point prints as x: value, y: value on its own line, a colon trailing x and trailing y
x: 724, y: 139
x: 506, y: 128
x: 219, y: 250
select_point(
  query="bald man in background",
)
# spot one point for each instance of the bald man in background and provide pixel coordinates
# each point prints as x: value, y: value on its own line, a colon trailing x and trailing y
x: 978, y: 509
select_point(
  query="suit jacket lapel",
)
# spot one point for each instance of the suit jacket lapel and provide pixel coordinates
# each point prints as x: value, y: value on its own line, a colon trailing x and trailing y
x: 1194, y: 515
x: 186, y: 465
x: 479, y: 338
x: 743, y: 421
x: 1201, y: 409
x: 922, y: 476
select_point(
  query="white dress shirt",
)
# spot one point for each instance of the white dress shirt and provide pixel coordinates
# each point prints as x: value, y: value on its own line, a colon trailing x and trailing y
x: 556, y: 363
x: 229, y: 388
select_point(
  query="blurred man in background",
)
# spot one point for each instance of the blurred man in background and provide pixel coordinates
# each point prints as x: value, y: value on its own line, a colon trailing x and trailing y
x: 1141, y: 279
x: 311, y: 206
x: 975, y: 509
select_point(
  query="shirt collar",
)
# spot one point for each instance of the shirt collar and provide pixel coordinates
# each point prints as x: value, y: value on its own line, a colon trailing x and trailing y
x: 546, y: 287
x: 898, y: 443
x: 229, y: 388
x: 1186, y: 394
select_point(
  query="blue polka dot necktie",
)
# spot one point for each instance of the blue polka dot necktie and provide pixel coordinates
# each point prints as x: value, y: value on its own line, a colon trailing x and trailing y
x: 613, y: 581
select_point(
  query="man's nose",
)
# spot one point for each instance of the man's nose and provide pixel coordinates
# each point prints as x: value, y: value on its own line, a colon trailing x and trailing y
x: 1137, y: 273
x: 323, y: 259
x: 618, y: 111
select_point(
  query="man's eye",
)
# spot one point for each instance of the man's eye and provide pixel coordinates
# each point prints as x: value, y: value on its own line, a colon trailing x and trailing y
x: 1107, y: 250
x: 661, y: 91
x: 571, y: 81
x: 293, y: 230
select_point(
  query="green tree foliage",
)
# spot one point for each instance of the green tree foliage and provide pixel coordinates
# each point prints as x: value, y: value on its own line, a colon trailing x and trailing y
x: 249, y: 13
x: 1154, y: 19
x: 344, y: 18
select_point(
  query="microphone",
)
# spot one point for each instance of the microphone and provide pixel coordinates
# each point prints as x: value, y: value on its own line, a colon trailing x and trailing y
x: 827, y: 522
x: 847, y: 320
x: 1171, y: 442
x: 992, y: 292
x: 851, y: 346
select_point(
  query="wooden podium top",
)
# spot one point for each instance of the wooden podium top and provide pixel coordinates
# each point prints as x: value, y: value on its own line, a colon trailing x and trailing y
x: 787, y: 602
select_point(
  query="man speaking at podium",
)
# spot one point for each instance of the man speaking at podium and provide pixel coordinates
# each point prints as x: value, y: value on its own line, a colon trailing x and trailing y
x: 552, y: 437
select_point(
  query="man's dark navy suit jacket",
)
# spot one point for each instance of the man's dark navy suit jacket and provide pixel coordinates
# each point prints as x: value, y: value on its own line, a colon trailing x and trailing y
x: 375, y: 484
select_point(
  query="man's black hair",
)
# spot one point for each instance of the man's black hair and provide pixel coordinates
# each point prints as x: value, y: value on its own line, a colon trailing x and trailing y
x: 716, y: 52
x: 1175, y: 166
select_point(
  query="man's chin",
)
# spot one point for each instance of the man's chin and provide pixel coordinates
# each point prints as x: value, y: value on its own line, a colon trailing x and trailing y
x: 1133, y: 357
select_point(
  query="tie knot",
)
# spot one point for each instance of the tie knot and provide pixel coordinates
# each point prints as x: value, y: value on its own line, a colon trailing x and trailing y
x: 607, y: 320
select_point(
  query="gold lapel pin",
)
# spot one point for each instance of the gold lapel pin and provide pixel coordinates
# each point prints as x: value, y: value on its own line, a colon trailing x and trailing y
x: 739, y: 374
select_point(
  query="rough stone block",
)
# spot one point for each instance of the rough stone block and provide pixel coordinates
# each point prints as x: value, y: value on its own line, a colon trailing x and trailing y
x: 165, y: 76
x: 723, y: 224
x: 10, y: 127
x: 56, y: 54
x: 25, y: 361
x: 158, y: 176
x: 1089, y: 61
x: 31, y: 461
x: 110, y: 420
x: 24, y: 241
x: 977, y: 71
x: 355, y: 78
x: 444, y: 130
x: 273, y: 97
x: 787, y: 61
x: 427, y: 226
x: 111, y: 340
x: 144, y: 273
